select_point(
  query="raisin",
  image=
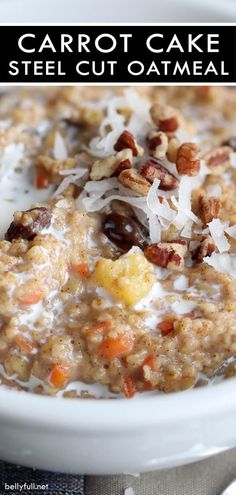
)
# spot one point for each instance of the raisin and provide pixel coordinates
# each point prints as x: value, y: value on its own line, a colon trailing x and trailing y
x: 124, y: 232
x: 27, y: 224
x: 230, y: 142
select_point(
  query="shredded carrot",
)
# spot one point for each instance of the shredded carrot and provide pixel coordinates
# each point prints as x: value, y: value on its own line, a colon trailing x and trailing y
x: 129, y: 387
x: 81, y: 269
x: 148, y: 386
x: 161, y: 199
x: 151, y: 362
x: 32, y: 298
x: 102, y: 326
x: 165, y: 326
x: 203, y: 89
x: 42, y: 180
x: 116, y: 347
x: 25, y: 345
x: 59, y: 376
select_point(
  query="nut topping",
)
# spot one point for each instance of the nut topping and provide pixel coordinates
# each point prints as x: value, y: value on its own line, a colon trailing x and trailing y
x: 209, y: 208
x: 27, y: 224
x: 188, y: 159
x: 167, y: 254
x: 127, y: 140
x: 173, y: 146
x: 218, y: 160
x: 153, y: 170
x: 157, y: 142
x: 165, y: 117
x: 205, y: 248
x: 134, y: 181
x: 124, y: 232
x: 54, y: 166
x: 112, y: 165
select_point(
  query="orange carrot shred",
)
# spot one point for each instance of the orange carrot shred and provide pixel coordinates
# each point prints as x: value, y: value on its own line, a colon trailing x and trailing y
x: 59, y: 376
x: 42, y: 180
x: 81, y: 269
x: 151, y: 362
x: 129, y: 387
x: 32, y: 298
x: 102, y: 326
x: 115, y: 347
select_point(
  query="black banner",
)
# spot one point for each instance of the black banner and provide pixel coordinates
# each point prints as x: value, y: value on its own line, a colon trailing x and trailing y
x: 118, y: 54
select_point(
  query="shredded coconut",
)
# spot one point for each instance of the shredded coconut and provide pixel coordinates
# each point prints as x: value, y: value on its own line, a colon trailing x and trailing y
x: 222, y: 262
x: 217, y: 228
x: 103, y: 145
x: 59, y: 150
x: 70, y: 179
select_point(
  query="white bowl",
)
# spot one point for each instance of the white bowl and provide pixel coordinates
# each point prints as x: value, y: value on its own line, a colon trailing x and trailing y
x: 117, y: 436
x: 122, y: 11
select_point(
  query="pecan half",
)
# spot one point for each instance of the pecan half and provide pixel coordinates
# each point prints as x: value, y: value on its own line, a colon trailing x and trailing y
x: 165, y: 117
x: 127, y: 140
x: 188, y: 159
x: 134, y: 181
x: 205, y: 248
x: 27, y: 224
x: 157, y: 142
x: 209, y: 208
x: 167, y: 254
x: 124, y: 232
x: 153, y: 170
x: 218, y: 160
x: 111, y: 165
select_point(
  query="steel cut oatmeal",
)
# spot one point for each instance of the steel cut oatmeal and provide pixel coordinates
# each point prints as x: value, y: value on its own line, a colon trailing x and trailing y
x: 118, y: 266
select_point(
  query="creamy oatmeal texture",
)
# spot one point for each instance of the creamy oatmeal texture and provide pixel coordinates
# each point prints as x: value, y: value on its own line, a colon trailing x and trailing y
x: 118, y: 230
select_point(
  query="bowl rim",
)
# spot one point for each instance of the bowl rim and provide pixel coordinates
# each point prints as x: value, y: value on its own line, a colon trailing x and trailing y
x: 226, y: 8
x: 73, y: 414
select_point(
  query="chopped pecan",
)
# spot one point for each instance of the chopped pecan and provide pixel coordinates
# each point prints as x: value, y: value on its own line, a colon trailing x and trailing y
x: 209, y: 208
x: 165, y: 117
x: 173, y: 146
x: 205, y: 248
x: 167, y: 254
x: 188, y: 159
x: 124, y: 232
x: 27, y: 224
x: 127, y: 140
x: 110, y: 165
x: 218, y: 160
x: 123, y: 165
x: 134, y: 181
x: 54, y: 166
x: 157, y: 142
x: 153, y: 170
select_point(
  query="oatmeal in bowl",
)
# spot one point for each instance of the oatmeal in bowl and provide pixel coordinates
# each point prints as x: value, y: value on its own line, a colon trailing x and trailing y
x: 118, y: 266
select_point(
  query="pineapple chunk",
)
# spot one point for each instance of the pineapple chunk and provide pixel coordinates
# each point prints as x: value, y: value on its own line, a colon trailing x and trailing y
x: 129, y: 279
